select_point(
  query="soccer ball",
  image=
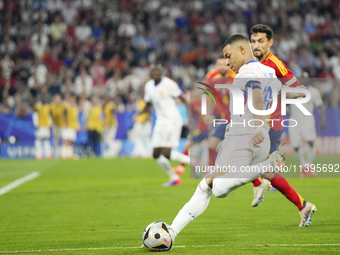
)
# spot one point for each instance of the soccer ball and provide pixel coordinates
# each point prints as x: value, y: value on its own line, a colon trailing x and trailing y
x: 157, y: 236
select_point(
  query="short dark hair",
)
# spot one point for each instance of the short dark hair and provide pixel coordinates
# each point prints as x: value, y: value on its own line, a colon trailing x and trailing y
x: 261, y: 28
x: 235, y: 38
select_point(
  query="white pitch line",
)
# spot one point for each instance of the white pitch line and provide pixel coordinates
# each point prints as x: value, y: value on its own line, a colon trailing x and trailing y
x: 180, y: 246
x: 18, y: 182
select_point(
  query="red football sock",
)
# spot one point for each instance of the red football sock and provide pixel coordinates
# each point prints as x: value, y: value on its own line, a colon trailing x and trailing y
x: 185, y: 153
x: 212, y: 156
x: 281, y: 184
x: 257, y: 182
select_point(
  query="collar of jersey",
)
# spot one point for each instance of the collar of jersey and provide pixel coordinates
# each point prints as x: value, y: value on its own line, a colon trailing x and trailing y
x: 158, y: 82
x: 252, y: 61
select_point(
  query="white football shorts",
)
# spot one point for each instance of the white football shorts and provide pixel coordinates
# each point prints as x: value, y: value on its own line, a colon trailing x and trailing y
x: 305, y: 130
x: 166, y: 134
x: 43, y: 133
x: 69, y: 134
x: 237, y: 151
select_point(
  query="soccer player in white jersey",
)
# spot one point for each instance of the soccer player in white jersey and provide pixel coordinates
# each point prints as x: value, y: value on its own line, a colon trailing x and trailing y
x: 305, y: 129
x: 242, y: 146
x: 161, y: 92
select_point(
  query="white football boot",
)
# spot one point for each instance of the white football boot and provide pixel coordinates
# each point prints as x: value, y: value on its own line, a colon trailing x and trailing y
x: 306, y: 214
x: 259, y: 192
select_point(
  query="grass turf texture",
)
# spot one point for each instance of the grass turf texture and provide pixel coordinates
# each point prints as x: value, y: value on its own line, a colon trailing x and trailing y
x: 96, y: 203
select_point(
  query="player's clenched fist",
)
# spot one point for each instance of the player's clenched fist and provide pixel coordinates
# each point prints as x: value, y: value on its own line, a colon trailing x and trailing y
x: 258, y: 139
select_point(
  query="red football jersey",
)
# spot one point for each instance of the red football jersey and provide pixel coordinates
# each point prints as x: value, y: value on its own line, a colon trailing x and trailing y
x: 287, y: 78
x: 196, y: 113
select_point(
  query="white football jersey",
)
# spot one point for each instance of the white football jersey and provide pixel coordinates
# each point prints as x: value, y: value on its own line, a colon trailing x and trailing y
x: 162, y: 96
x: 315, y: 101
x: 252, y: 75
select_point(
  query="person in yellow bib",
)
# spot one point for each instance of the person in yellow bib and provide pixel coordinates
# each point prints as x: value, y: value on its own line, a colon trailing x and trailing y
x: 94, y: 124
x: 69, y: 133
x: 42, y: 123
x: 57, y: 112
x: 110, y: 128
x: 141, y: 132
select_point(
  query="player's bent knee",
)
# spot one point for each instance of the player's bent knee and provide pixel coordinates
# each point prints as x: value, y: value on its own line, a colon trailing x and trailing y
x: 220, y: 189
x: 221, y: 192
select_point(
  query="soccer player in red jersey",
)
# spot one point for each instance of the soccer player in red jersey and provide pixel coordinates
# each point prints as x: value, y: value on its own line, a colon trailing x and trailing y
x: 221, y: 74
x: 261, y: 42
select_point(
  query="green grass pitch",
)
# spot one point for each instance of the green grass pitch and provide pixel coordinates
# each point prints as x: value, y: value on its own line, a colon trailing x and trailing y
x: 106, y: 204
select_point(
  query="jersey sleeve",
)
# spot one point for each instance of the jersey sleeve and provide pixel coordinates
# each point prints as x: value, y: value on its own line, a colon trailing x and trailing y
x: 112, y: 106
x: 289, y: 79
x: 37, y: 106
x: 285, y: 75
x: 247, y: 78
x: 147, y: 97
x: 173, y: 89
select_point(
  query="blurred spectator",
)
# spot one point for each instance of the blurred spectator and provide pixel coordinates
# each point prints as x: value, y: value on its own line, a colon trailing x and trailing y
x: 58, y: 28
x: 7, y: 66
x: 335, y: 63
x: 97, y: 30
x: 69, y: 11
x: 7, y: 46
x: 44, y: 95
x: 38, y: 77
x: 39, y: 42
x: 83, y: 31
x: 40, y: 4
x: 83, y: 84
x: 23, y: 93
x: 126, y: 28
x: 69, y: 58
x: 21, y: 108
x: 97, y: 72
x: 6, y: 102
x: 48, y: 46
x: 53, y: 63
x: 115, y: 84
x: 22, y: 71
x: 54, y: 5
x: 134, y: 80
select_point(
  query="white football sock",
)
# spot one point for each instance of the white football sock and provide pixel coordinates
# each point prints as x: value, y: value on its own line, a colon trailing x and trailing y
x: 47, y: 148
x: 68, y: 151
x: 194, y: 208
x: 301, y: 158
x: 72, y: 150
x: 63, y: 151
x: 38, y: 147
x: 179, y: 157
x: 164, y: 163
x: 311, y: 151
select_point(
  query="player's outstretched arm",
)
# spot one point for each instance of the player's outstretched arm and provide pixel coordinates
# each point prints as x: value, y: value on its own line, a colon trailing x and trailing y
x: 185, y: 101
x: 292, y: 95
x: 146, y: 109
